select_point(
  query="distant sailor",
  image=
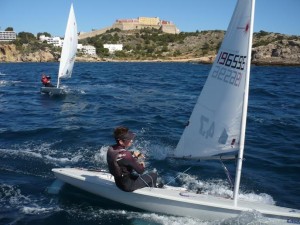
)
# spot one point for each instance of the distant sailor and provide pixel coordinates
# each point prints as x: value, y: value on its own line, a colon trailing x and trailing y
x: 122, y: 163
x: 46, y: 81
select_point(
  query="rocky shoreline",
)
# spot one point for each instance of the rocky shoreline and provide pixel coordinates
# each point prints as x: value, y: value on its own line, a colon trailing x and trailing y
x: 202, y: 60
x: 281, y: 52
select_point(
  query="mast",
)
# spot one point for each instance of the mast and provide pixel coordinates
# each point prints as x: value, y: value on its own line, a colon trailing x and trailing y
x: 244, y: 114
x: 58, y: 82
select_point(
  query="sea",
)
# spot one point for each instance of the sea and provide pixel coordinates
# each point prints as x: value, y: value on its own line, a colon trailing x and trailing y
x: 39, y: 132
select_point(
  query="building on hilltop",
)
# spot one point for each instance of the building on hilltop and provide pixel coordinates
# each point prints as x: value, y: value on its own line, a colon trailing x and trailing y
x: 135, y: 24
x: 8, y: 36
x: 145, y: 22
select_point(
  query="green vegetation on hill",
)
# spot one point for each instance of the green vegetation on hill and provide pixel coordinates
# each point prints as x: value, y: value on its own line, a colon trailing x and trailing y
x: 152, y: 43
x: 27, y: 43
x: 263, y: 38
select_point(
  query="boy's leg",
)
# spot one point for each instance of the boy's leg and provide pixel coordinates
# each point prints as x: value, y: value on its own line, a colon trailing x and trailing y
x: 145, y: 180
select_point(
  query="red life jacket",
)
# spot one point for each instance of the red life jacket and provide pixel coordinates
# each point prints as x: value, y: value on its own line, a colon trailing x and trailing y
x: 45, y: 80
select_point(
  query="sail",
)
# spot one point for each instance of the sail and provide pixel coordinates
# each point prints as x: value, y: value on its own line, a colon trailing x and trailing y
x: 69, y: 48
x: 215, y: 125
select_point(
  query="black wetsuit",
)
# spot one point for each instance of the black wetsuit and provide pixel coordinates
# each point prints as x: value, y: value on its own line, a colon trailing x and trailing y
x: 122, y: 164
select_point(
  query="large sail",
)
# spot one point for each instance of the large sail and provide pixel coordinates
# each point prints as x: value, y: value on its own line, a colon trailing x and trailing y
x: 215, y: 125
x: 69, y: 48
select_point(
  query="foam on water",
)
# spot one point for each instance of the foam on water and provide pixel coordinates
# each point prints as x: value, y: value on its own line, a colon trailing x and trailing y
x: 140, y: 218
x: 5, y: 83
x: 100, y: 156
x: 221, y: 188
x: 12, y: 199
x: 42, y: 153
x: 36, y: 209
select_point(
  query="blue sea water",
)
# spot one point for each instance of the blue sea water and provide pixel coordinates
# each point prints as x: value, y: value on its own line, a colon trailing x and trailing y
x: 40, y: 132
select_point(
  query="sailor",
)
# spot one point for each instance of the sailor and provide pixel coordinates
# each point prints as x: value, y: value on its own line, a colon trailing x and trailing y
x: 127, y: 167
x: 46, y: 81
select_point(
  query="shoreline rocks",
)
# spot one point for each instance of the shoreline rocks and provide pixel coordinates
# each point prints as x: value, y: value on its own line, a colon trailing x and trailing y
x: 283, y: 52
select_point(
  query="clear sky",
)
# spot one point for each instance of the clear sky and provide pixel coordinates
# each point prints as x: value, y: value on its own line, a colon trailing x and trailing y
x: 281, y: 16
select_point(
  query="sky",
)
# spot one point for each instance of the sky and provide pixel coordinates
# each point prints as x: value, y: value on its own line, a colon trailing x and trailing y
x: 34, y: 16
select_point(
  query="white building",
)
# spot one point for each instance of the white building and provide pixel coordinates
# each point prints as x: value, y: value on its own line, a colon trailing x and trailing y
x: 87, y: 49
x: 8, y: 35
x: 113, y: 47
x: 56, y: 41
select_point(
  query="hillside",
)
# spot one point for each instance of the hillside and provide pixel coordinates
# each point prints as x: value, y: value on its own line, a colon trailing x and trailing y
x: 154, y: 45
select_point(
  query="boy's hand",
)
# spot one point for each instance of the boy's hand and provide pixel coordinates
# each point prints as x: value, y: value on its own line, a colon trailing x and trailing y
x: 137, y: 154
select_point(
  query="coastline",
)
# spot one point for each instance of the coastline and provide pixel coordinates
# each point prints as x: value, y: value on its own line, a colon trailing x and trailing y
x: 269, y: 49
x: 9, y: 54
x: 201, y: 60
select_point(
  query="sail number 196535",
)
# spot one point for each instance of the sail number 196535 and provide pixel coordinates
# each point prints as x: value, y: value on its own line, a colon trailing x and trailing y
x: 229, y: 68
x: 232, y: 60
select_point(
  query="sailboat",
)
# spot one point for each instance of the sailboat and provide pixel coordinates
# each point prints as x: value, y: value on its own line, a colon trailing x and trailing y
x: 68, y: 54
x: 216, y: 127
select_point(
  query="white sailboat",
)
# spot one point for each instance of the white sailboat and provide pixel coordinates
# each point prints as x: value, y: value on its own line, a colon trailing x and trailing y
x: 217, y: 126
x: 68, y: 54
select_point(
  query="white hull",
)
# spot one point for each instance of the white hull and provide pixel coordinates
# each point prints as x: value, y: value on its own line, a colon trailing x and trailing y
x: 171, y: 200
x: 52, y: 90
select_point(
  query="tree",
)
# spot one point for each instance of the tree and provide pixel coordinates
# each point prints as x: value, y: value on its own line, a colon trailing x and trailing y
x: 26, y: 37
x: 9, y: 29
x: 43, y: 33
x: 165, y: 48
x: 205, y: 46
x: 115, y: 38
x: 120, y: 54
x: 177, y: 53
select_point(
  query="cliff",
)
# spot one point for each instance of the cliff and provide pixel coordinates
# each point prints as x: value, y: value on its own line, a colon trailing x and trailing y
x: 275, y: 49
x: 9, y: 53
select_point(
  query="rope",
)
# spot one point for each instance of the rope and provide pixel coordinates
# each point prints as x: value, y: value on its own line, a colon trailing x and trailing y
x: 145, y: 181
x: 227, y: 174
x: 178, y: 175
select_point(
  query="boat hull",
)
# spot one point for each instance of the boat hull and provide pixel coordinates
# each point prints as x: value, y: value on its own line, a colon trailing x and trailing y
x: 52, y: 90
x: 171, y: 200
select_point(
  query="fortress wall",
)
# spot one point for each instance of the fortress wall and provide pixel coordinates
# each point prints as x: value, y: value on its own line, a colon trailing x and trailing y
x: 167, y: 28
x: 152, y: 21
x: 93, y: 33
x: 133, y: 24
x: 170, y: 28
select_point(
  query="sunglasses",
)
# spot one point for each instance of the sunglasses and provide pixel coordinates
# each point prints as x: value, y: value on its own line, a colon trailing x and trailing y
x: 131, y: 140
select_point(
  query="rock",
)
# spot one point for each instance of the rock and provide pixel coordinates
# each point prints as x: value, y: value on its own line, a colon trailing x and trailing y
x: 9, y: 53
x: 276, y: 52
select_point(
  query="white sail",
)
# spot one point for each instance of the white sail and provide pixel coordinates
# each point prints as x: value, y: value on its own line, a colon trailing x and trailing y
x: 69, y: 48
x: 215, y: 126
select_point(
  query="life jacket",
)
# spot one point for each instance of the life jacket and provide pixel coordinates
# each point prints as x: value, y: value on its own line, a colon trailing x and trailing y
x: 113, y: 156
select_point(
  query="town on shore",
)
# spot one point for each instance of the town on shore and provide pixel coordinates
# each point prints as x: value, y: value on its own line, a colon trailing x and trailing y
x: 145, y: 40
